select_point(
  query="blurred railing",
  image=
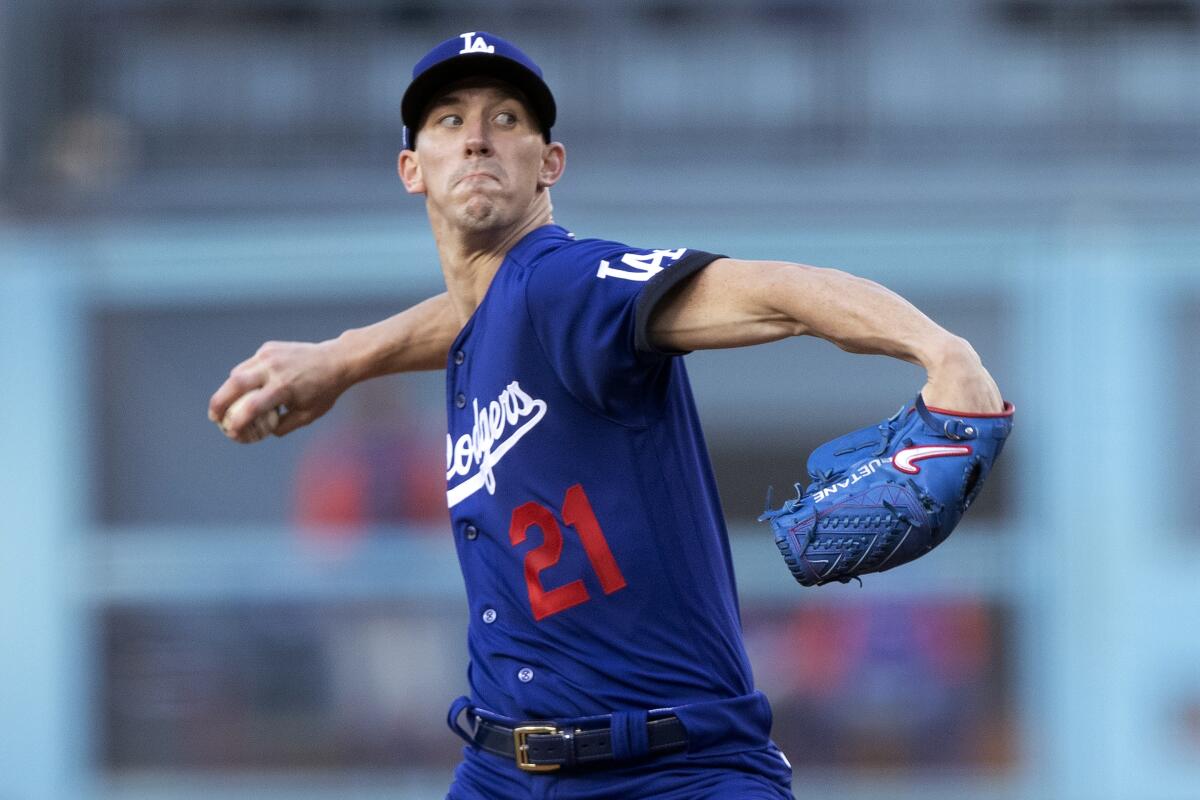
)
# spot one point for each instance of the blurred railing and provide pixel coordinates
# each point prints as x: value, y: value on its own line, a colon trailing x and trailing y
x: 163, y: 101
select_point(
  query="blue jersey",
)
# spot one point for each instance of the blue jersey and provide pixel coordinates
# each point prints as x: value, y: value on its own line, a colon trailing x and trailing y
x: 584, y: 510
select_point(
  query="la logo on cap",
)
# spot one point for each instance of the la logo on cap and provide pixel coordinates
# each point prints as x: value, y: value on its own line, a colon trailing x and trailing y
x: 475, y: 44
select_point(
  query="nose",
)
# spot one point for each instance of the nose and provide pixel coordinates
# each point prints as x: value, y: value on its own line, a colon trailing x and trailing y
x: 478, y: 142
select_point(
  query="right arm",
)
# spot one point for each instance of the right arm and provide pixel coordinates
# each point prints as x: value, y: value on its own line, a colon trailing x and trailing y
x: 309, y: 377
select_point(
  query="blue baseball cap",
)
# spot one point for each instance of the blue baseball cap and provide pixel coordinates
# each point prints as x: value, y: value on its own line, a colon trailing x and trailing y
x: 467, y: 55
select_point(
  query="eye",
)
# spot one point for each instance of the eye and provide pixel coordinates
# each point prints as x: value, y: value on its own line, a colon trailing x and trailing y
x: 506, y: 118
x: 450, y: 121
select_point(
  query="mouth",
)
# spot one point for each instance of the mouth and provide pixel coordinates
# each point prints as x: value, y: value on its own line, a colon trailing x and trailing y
x: 476, y: 176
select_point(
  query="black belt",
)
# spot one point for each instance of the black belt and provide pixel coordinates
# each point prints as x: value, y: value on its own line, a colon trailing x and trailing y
x: 544, y: 747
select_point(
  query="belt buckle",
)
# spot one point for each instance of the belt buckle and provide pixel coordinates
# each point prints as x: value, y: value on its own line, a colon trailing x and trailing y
x: 521, y: 747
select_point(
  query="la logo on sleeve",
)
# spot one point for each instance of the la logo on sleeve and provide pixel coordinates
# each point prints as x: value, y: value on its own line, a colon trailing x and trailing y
x: 641, y: 267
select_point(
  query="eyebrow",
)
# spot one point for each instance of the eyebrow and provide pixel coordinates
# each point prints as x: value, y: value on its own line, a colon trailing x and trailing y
x: 452, y: 98
x: 444, y: 100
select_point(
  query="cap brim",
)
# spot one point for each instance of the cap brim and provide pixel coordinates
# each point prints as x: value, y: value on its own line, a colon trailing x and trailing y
x: 424, y: 89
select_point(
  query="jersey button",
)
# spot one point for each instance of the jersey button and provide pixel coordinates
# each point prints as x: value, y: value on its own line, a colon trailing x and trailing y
x: 471, y: 531
x: 459, y: 357
x: 460, y: 400
x: 525, y: 675
x: 489, y: 615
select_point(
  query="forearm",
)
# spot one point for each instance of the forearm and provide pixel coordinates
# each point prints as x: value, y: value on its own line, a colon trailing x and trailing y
x: 417, y: 338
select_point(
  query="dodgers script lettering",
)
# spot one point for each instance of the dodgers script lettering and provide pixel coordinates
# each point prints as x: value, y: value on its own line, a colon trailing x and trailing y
x: 498, y: 426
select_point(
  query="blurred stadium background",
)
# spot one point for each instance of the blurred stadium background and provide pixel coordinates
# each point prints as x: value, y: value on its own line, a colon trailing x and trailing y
x: 184, y: 618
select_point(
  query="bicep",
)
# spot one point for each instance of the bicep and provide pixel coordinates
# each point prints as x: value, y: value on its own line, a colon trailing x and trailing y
x: 729, y: 303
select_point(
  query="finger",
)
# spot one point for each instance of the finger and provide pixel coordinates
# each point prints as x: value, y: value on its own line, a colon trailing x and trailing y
x: 291, y: 421
x: 241, y: 379
x: 271, y: 396
x: 218, y: 404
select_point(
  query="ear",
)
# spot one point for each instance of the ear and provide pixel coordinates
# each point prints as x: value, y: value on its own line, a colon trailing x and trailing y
x: 409, y: 170
x: 554, y: 161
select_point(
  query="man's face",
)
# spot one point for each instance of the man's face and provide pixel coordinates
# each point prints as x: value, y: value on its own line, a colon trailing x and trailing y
x: 480, y: 159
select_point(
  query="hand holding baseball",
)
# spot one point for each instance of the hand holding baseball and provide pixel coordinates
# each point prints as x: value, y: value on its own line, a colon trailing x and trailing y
x: 305, y: 378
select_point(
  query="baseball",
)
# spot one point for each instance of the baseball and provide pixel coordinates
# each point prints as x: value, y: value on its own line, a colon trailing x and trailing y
x: 262, y: 426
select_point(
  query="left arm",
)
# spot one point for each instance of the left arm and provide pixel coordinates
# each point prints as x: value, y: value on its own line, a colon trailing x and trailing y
x: 734, y: 303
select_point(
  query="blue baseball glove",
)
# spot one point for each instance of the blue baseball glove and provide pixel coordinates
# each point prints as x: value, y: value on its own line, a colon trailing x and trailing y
x: 887, y: 494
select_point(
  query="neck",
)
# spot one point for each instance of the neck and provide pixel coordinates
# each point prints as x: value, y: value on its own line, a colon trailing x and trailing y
x: 471, y: 258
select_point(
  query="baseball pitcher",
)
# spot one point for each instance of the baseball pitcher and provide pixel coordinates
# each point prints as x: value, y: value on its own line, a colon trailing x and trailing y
x: 606, y: 653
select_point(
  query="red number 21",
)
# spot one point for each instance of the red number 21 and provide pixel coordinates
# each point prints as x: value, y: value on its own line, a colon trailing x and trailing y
x: 576, y: 512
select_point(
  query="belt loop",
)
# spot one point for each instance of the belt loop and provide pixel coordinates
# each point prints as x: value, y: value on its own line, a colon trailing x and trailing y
x: 457, y: 708
x: 630, y: 738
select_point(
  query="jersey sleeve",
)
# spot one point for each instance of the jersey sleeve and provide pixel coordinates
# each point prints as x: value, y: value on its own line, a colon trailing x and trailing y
x: 590, y: 307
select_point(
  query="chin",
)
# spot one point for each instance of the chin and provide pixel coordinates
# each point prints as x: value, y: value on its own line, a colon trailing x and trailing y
x: 480, y: 214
